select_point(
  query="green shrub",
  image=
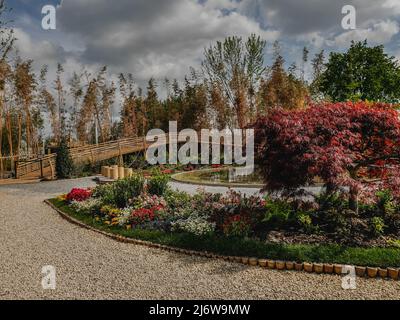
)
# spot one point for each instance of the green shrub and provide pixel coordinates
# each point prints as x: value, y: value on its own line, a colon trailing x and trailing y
x: 127, y: 189
x: 158, y: 184
x: 177, y: 200
x: 104, y: 192
x: 331, y: 200
x: 64, y: 162
x: 377, y: 226
x: 278, y: 212
x: 121, y: 191
x: 385, y: 202
x: 306, y: 223
x: 395, y: 243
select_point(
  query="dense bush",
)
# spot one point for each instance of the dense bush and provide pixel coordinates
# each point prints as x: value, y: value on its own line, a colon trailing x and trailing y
x: 64, y: 162
x: 356, y: 146
x: 121, y: 192
x: 158, y: 184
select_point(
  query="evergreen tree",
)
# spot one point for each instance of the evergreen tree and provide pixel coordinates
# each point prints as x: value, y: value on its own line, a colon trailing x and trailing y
x: 64, y: 162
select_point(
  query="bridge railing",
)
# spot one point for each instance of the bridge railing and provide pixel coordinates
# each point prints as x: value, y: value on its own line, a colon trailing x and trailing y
x: 89, y: 153
x: 82, y: 154
x: 35, y: 167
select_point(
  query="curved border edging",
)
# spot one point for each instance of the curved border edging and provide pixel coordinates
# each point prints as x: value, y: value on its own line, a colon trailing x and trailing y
x: 327, y: 268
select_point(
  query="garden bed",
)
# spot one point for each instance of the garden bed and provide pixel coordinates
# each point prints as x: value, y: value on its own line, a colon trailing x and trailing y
x: 328, y: 253
x: 322, y: 230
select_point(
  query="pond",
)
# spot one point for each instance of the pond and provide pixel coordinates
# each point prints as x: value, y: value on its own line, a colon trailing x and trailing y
x: 226, y: 176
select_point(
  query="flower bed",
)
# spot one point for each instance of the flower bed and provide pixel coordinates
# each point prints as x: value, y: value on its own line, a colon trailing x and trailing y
x: 238, y: 225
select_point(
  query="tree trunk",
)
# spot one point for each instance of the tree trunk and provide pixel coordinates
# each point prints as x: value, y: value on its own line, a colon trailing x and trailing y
x: 353, y: 199
x: 19, y: 133
x: 353, y: 192
x: 9, y: 136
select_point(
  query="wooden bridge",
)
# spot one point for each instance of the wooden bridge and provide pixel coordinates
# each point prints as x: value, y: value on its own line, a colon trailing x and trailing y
x: 44, y: 167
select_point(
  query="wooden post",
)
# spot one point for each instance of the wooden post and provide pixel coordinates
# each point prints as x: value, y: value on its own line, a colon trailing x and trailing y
x: 114, y: 172
x: 121, y: 172
x: 121, y: 159
x: 41, y: 168
x: 107, y: 172
x: 91, y: 154
x: 16, y: 169
x: 52, y: 169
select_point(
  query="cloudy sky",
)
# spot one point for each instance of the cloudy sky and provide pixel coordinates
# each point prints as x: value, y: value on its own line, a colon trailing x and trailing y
x: 163, y: 38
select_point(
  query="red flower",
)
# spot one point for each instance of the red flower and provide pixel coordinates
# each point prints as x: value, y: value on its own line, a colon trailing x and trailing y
x: 79, y: 195
x: 142, y: 215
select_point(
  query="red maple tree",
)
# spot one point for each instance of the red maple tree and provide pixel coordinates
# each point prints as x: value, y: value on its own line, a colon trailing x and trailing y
x: 353, y: 145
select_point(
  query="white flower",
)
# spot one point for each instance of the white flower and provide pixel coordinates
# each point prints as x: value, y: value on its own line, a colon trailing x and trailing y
x: 86, y: 206
x: 196, y: 225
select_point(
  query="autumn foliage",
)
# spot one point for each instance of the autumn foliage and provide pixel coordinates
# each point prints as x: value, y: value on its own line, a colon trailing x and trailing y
x: 352, y: 145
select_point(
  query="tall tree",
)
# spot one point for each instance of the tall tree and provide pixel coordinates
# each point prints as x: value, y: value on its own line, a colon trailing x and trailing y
x: 76, y: 91
x: 281, y: 89
x: 86, y: 119
x: 25, y: 86
x: 362, y: 73
x: 7, y: 37
x: 48, y: 103
x: 6, y: 44
x: 304, y: 62
x: 152, y: 105
x: 236, y: 67
x: 318, y: 66
x: 129, y: 105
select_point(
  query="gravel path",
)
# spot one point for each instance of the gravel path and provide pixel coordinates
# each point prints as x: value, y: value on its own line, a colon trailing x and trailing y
x: 91, y: 266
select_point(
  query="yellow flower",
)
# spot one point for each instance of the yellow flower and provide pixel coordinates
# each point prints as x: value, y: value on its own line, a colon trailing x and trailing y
x: 107, y: 222
x: 128, y: 227
x: 62, y: 197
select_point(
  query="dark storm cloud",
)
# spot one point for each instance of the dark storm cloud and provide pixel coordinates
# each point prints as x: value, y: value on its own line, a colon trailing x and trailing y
x: 151, y: 38
x: 162, y: 38
x: 294, y: 17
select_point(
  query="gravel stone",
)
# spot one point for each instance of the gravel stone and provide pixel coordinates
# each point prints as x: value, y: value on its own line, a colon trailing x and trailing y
x: 92, y: 266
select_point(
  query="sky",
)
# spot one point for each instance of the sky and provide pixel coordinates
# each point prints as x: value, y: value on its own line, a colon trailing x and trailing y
x: 163, y: 38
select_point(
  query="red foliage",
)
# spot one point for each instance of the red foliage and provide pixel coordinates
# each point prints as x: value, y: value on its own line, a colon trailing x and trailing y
x: 342, y: 143
x: 143, y: 215
x: 79, y: 195
x: 237, y: 225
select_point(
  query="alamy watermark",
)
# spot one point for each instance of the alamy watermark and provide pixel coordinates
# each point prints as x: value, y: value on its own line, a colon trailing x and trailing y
x: 349, y: 280
x: 49, y: 17
x: 349, y: 21
x: 49, y: 277
x: 234, y: 142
